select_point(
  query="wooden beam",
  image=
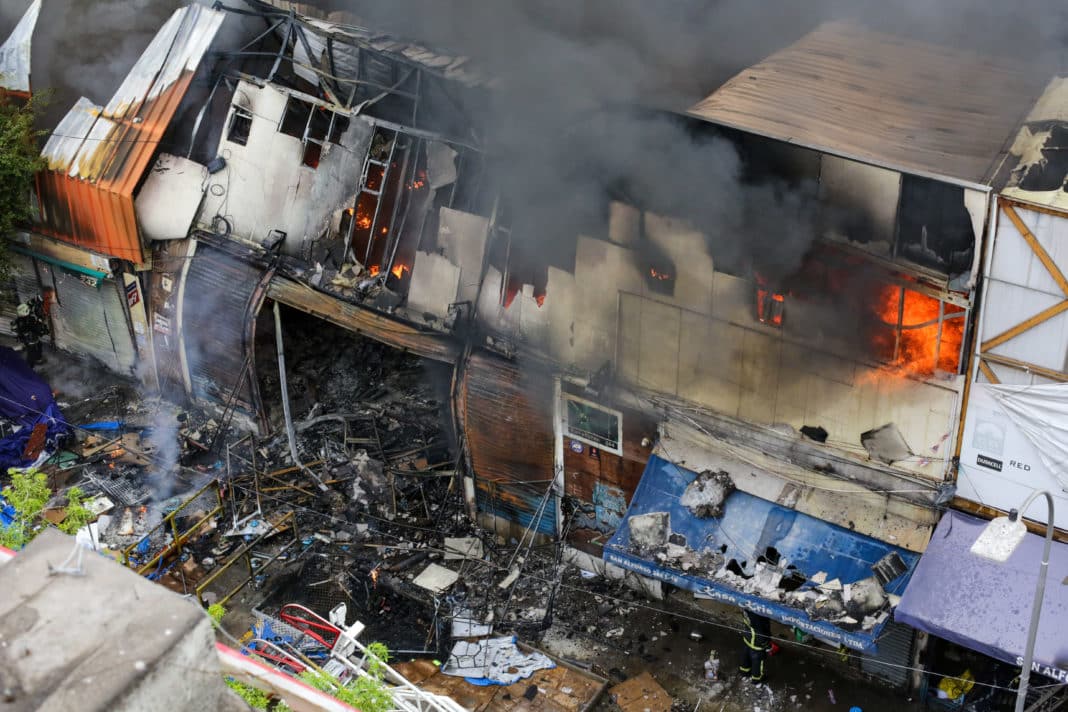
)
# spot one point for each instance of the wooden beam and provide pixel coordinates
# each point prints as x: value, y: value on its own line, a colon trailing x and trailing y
x: 1034, y: 207
x: 981, y: 510
x: 988, y: 372
x: 375, y: 325
x: 1038, y: 249
x: 1025, y: 366
x: 1041, y: 317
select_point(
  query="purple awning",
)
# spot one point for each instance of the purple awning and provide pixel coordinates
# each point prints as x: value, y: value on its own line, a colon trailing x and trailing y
x: 26, y: 400
x: 986, y: 606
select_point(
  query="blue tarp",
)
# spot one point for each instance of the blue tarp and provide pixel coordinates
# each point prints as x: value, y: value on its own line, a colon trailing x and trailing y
x: 984, y: 605
x: 747, y: 527
x: 27, y: 400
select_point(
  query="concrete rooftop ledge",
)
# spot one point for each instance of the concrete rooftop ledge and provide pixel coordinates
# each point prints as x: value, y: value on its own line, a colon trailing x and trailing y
x: 103, y: 640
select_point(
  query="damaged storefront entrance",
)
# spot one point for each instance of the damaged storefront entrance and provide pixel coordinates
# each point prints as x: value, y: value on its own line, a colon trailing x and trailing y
x: 696, y: 532
x: 376, y: 462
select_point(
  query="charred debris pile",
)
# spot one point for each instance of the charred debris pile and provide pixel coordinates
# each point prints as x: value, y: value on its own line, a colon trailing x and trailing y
x: 373, y: 516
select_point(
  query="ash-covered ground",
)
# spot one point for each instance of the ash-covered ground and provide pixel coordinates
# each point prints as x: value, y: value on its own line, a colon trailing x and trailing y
x: 373, y: 504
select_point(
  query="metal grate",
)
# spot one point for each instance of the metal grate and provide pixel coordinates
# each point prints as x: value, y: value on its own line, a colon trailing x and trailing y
x: 892, y: 656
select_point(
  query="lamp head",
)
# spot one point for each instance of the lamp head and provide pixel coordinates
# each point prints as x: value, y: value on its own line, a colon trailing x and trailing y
x: 1000, y: 538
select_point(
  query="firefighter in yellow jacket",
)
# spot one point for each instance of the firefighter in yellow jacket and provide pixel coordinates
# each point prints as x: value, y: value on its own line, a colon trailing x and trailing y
x: 757, y: 637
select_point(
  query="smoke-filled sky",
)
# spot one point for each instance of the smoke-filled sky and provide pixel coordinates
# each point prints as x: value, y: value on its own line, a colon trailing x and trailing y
x: 570, y: 69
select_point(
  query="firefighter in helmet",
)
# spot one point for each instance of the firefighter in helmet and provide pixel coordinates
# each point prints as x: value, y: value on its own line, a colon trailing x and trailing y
x: 757, y: 638
x: 30, y: 327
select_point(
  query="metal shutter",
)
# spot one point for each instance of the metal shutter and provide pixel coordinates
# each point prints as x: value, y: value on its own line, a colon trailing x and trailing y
x: 893, y: 655
x: 518, y: 502
x: 92, y: 320
x: 215, y: 311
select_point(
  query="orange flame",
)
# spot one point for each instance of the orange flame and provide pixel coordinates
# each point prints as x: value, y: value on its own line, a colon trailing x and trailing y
x: 374, y: 577
x: 363, y: 221
x: 655, y: 274
x: 540, y: 299
x: 399, y: 270
x: 509, y: 295
x: 919, y: 349
x: 374, y: 270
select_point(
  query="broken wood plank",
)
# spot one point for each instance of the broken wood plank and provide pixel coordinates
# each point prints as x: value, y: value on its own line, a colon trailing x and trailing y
x: 90, y: 452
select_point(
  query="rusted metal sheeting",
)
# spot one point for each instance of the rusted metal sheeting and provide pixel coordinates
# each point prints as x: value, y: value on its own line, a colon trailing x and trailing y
x: 15, y: 53
x: 910, y: 106
x: 363, y: 321
x: 97, y: 155
x: 507, y: 417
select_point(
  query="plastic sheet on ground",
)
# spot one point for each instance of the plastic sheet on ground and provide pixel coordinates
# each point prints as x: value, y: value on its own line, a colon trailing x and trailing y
x: 494, y: 661
x: 27, y: 400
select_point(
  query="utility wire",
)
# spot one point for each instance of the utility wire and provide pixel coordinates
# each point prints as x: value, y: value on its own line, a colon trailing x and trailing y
x: 669, y: 612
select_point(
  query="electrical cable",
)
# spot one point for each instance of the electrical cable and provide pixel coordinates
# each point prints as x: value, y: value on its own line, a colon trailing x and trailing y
x: 530, y: 576
x: 674, y: 613
x: 669, y: 612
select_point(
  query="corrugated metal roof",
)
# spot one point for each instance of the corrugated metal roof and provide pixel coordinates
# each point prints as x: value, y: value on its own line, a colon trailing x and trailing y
x: 1036, y: 169
x: 15, y: 52
x: 97, y: 156
x: 65, y: 142
x: 906, y: 105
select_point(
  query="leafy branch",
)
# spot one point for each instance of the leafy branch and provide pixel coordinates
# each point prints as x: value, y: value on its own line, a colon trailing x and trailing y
x: 367, y: 693
x: 20, y: 160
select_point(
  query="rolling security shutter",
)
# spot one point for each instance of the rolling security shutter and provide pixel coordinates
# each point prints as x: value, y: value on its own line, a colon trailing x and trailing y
x: 893, y: 655
x: 21, y: 287
x: 508, y: 421
x: 215, y: 311
x: 91, y: 320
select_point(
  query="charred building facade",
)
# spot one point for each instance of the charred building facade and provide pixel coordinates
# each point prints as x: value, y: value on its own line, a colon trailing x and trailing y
x: 758, y: 412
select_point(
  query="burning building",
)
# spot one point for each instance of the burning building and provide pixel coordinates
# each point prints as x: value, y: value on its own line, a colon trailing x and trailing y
x: 810, y: 374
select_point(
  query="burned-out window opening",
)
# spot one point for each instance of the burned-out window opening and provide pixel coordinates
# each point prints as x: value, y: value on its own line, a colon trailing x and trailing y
x: 934, y: 228
x: 312, y: 154
x: 296, y: 117
x: 240, y: 126
x: 319, y: 122
x: 593, y: 424
x: 770, y: 303
x: 918, y: 333
x: 314, y: 125
x: 392, y: 188
x: 339, y: 124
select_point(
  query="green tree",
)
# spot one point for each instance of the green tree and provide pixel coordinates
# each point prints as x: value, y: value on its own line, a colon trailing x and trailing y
x: 28, y: 493
x: 20, y: 159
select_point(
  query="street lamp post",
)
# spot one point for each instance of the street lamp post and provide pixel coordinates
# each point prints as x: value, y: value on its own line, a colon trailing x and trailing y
x: 997, y: 542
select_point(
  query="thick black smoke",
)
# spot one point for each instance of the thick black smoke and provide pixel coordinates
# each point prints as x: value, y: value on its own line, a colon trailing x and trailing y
x: 566, y: 126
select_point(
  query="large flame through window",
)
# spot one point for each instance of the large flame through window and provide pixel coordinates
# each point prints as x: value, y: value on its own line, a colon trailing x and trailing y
x: 917, y: 334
